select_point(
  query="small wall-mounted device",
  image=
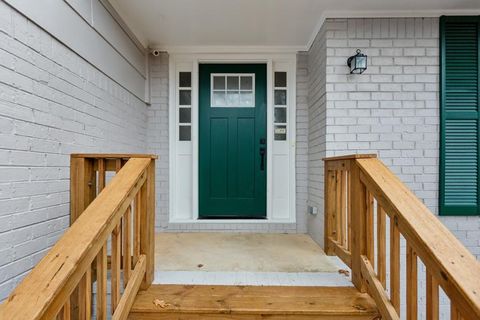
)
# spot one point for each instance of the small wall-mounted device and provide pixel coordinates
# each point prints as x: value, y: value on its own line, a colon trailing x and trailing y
x: 313, y: 210
x: 155, y: 53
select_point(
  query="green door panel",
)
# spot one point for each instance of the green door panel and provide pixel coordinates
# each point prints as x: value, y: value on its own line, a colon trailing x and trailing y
x: 232, y: 182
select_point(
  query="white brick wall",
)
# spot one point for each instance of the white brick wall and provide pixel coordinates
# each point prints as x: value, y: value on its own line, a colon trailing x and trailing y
x: 52, y: 103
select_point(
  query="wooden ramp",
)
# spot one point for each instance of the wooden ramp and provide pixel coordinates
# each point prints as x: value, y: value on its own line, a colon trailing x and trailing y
x: 252, y: 302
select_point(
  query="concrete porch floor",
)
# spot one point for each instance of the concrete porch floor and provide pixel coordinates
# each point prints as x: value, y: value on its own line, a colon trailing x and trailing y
x: 244, y: 259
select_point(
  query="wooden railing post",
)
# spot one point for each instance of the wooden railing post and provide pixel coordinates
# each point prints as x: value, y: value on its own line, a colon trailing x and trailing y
x: 359, y: 226
x: 147, y: 224
x: 330, y: 189
x: 82, y: 186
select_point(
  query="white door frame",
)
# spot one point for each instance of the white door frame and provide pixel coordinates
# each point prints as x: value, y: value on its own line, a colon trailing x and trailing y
x: 190, y: 62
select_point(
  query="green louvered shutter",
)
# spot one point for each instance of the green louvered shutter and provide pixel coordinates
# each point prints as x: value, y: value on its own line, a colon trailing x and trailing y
x: 460, y: 96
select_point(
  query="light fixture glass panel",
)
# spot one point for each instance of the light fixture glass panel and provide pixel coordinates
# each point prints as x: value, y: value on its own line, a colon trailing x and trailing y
x: 219, y: 99
x: 280, y: 133
x: 280, y: 115
x: 185, y: 115
x: 218, y: 82
x: 246, y: 99
x: 185, y: 97
x: 280, y: 79
x: 185, y: 79
x: 361, y: 62
x: 280, y: 97
x: 246, y: 83
x: 232, y: 83
x: 185, y: 133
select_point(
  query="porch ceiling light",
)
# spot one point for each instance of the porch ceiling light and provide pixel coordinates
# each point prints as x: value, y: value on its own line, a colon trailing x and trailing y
x: 357, y: 63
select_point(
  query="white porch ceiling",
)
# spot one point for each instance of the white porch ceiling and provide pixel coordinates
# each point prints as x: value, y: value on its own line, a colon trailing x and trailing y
x: 177, y: 24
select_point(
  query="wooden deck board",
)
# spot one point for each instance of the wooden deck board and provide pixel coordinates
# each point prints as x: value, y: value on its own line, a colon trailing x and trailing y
x: 252, y: 302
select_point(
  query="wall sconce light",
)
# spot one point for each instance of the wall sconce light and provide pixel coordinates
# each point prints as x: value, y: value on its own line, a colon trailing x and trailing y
x: 357, y: 63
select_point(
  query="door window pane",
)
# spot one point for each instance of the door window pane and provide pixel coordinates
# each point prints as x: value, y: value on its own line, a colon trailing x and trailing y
x: 281, y: 97
x: 185, y: 115
x: 280, y: 115
x: 185, y: 133
x: 219, y: 99
x: 218, y: 83
x: 232, y: 83
x: 185, y: 97
x: 281, y: 79
x: 246, y: 83
x: 185, y: 80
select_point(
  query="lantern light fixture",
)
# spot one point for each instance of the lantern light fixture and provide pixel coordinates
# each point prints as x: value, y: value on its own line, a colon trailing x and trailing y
x: 357, y: 63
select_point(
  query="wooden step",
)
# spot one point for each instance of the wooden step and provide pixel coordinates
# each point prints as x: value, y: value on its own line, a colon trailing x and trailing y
x: 252, y: 302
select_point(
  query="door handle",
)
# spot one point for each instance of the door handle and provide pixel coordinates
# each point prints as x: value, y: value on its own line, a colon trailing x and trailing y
x: 263, y: 151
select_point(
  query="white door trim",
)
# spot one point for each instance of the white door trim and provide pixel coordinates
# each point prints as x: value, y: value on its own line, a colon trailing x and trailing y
x: 190, y: 62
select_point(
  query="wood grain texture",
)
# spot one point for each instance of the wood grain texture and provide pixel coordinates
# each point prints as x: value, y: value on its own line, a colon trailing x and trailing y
x: 445, y: 257
x: 412, y: 286
x: 128, y: 297
x: 46, y: 288
x: 376, y: 290
x: 330, y: 189
x: 395, y: 265
x: 102, y: 284
x: 206, y: 301
x: 432, y: 298
x: 381, y: 246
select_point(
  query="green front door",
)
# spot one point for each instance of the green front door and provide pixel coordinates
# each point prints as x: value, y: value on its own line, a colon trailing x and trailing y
x: 232, y: 146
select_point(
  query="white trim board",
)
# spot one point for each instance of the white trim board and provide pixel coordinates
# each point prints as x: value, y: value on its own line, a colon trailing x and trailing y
x: 184, y: 180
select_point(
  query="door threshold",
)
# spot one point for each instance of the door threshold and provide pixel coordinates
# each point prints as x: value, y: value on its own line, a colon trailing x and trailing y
x: 233, y: 221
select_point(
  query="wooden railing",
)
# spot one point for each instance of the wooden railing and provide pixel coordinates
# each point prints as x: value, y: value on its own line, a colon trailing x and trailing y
x: 114, y: 235
x: 365, y: 203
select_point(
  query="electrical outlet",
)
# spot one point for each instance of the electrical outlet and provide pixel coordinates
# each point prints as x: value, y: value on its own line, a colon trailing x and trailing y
x: 312, y: 210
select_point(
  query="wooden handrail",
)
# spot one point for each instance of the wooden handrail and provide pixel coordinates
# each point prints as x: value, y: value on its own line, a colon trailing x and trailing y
x: 375, y: 193
x: 69, y: 266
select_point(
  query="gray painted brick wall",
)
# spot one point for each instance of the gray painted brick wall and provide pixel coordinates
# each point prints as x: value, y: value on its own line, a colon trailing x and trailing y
x: 52, y: 103
x: 392, y: 109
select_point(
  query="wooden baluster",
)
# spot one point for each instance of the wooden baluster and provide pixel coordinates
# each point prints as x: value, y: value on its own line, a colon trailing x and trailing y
x: 370, y: 229
x: 127, y: 255
x: 101, y: 174
x: 432, y: 297
x: 343, y: 209
x: 381, y: 246
x: 136, y: 231
x: 395, y: 264
x: 454, y: 313
x: 412, y: 290
x: 338, y: 206
x: 65, y: 312
x: 85, y: 296
x: 115, y: 267
x: 102, y: 284
x: 330, y: 190
x: 349, y: 210
x: 116, y: 256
